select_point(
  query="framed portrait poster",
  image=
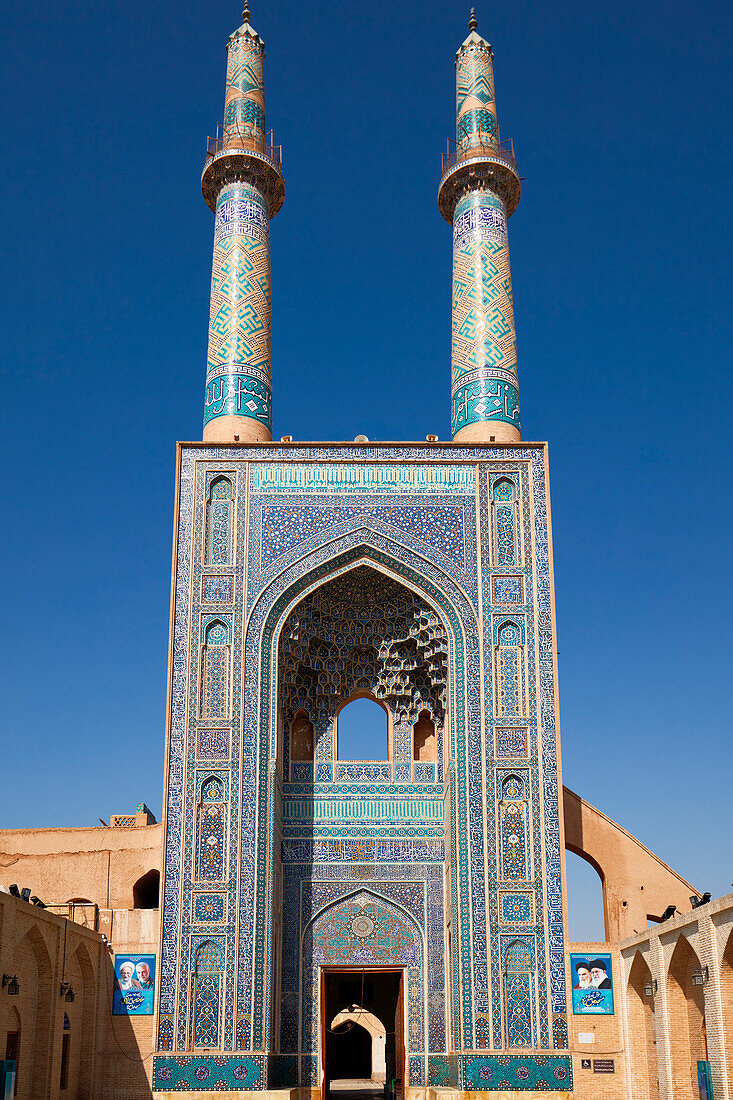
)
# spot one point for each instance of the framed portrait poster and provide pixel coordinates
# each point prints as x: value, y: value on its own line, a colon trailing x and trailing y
x: 592, y: 980
x: 134, y: 985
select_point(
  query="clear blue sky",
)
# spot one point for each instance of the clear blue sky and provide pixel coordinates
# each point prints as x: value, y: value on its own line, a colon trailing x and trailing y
x: 620, y: 252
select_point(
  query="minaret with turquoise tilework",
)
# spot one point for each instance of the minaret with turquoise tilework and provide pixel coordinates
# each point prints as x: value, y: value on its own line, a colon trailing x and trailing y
x: 479, y: 190
x: 243, y: 183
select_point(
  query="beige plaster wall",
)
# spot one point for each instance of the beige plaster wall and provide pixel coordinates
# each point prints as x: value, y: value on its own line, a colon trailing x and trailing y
x: 97, y: 863
x: 636, y: 883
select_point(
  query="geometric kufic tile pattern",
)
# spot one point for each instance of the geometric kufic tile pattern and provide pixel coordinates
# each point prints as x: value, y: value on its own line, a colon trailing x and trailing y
x: 244, y: 100
x: 475, y: 102
x: 217, y: 589
x: 484, y: 355
x: 239, y: 370
x: 511, y: 741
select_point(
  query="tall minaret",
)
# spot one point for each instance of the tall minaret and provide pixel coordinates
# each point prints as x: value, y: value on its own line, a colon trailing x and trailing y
x: 479, y: 190
x: 242, y: 181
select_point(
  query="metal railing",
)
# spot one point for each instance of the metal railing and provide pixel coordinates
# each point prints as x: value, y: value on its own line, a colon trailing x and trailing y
x: 485, y: 146
x: 85, y: 913
x: 236, y: 139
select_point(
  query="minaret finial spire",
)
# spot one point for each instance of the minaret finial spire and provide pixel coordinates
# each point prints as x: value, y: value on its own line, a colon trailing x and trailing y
x: 478, y: 192
x: 243, y: 183
x: 473, y: 22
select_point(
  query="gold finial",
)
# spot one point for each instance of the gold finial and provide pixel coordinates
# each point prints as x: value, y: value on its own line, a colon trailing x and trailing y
x: 245, y: 13
x: 472, y: 23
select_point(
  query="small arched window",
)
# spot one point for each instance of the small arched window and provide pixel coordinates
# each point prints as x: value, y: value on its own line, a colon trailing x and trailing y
x: 424, y: 741
x: 219, y: 522
x: 146, y: 891
x: 362, y: 730
x: 301, y: 737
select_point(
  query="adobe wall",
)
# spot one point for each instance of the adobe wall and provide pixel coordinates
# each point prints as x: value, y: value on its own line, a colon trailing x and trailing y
x: 98, y: 864
x: 636, y: 883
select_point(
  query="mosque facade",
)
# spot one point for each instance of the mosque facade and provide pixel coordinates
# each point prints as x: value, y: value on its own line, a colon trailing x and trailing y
x: 417, y: 575
x: 301, y: 917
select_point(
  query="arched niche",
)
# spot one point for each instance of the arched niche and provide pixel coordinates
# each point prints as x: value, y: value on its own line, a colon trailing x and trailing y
x: 302, y: 737
x: 33, y: 964
x: 642, y: 1034
x: 424, y: 743
x: 146, y: 891
x: 686, y: 1004
x: 363, y: 930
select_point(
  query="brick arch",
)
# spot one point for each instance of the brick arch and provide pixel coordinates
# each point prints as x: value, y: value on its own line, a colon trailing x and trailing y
x: 686, y: 1006
x: 642, y: 1034
x: 36, y: 1050
x: 726, y: 997
x: 637, y: 885
x: 86, y: 1038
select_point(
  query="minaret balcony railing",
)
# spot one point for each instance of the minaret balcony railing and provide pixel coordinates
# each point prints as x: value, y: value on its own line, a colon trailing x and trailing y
x: 236, y: 154
x: 501, y: 151
x: 487, y: 161
x: 233, y: 138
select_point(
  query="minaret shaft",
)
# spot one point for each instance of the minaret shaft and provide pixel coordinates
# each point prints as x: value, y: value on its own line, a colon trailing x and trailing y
x: 478, y: 192
x: 243, y: 182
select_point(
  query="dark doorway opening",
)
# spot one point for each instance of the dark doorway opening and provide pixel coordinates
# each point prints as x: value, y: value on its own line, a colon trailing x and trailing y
x: 350, y: 1054
x: 363, y: 1034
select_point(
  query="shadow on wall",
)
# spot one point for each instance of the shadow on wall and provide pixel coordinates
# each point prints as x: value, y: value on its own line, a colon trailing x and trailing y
x: 146, y: 891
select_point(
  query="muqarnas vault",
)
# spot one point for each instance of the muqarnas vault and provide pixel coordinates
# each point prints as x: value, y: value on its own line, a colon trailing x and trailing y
x: 304, y: 891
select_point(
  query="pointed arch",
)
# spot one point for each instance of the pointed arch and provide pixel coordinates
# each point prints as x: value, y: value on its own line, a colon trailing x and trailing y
x: 38, y: 1061
x: 505, y: 524
x: 146, y: 891
x: 642, y: 1033
x: 302, y: 742
x: 519, y: 993
x: 726, y: 996
x: 211, y: 828
x: 215, y: 670
x: 86, y: 1038
x: 208, y: 966
x: 263, y: 626
x: 363, y: 928
x: 424, y: 747
x: 686, y: 1003
x: 377, y: 741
